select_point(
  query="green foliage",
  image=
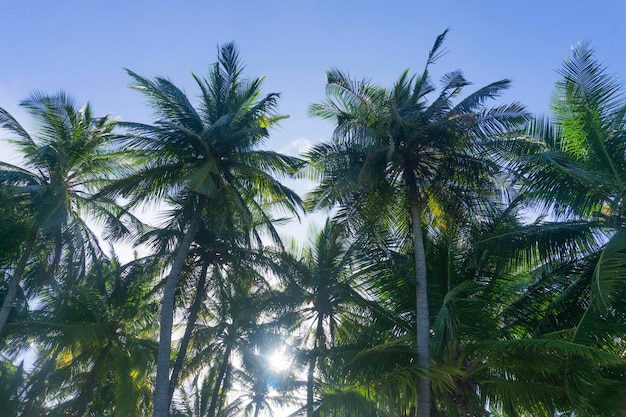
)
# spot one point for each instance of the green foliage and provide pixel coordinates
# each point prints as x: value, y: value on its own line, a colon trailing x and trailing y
x: 429, y: 189
x: 12, y: 380
x: 96, y: 345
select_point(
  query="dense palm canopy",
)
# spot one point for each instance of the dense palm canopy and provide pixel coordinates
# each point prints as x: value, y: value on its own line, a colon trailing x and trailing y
x: 96, y: 345
x: 204, y: 155
x: 578, y: 176
x: 581, y: 172
x: 395, y: 148
x: 430, y: 192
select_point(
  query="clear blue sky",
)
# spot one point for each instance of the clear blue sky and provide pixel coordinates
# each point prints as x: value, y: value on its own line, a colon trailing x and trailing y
x: 81, y: 46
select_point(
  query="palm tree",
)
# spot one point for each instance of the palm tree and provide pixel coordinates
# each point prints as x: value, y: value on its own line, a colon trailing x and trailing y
x: 255, y: 386
x: 95, y: 340
x: 581, y: 171
x: 381, y: 365
x: 261, y: 387
x: 392, y: 148
x: 214, y: 248
x: 64, y: 162
x: 320, y: 285
x: 574, y: 301
x: 495, y: 325
x: 204, y: 155
x: 237, y: 320
x: 553, y: 352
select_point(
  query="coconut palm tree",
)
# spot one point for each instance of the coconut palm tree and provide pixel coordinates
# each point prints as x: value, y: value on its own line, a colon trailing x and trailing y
x: 581, y: 172
x: 496, y: 324
x: 574, y: 302
x: 65, y: 160
x: 237, y: 320
x: 394, y: 150
x: 210, y: 253
x: 382, y: 365
x: 261, y: 388
x: 222, y: 252
x: 319, y: 284
x: 204, y: 155
x: 95, y: 344
x: 255, y: 385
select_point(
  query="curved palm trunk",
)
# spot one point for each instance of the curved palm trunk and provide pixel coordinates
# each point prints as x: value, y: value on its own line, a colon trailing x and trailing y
x: 191, y: 322
x: 421, y: 298
x: 161, y: 386
x: 225, y: 387
x: 219, y: 382
x: 9, y: 298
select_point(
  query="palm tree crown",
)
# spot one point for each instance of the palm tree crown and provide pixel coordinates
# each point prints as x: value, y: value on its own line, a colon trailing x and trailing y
x: 394, y: 151
x: 581, y: 169
x: 63, y: 164
x: 205, y: 155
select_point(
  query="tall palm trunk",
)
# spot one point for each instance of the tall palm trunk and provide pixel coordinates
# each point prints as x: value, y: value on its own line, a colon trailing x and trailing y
x: 219, y: 382
x: 309, y: 387
x: 161, y: 388
x: 11, y: 295
x: 319, y: 340
x: 191, y: 322
x: 421, y: 298
x: 225, y: 386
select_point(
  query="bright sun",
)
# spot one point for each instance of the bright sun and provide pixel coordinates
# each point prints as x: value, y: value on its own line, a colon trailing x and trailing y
x: 279, y: 361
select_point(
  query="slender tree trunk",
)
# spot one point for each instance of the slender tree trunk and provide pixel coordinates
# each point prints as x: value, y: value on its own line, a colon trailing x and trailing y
x: 309, y: 387
x: 225, y: 387
x: 421, y: 298
x: 161, y: 388
x: 219, y: 382
x: 11, y: 295
x: 319, y: 340
x: 191, y: 322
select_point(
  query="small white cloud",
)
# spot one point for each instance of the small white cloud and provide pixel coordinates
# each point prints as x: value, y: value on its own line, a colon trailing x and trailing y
x: 297, y: 147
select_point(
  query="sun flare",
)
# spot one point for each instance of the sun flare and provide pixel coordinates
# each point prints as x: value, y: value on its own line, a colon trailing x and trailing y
x: 279, y: 361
